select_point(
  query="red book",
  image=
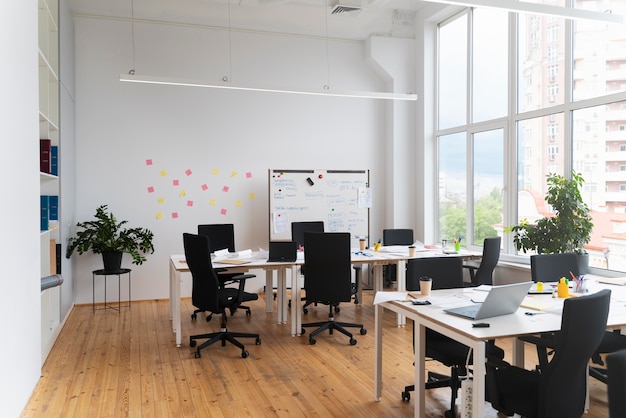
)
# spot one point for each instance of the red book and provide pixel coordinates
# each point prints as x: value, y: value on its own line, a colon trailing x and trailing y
x: 44, y: 155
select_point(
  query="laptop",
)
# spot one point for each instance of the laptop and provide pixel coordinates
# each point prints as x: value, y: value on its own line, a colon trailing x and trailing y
x: 282, y: 251
x: 501, y: 300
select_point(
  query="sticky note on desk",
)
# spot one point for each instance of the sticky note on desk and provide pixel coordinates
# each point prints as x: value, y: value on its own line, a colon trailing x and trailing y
x: 535, y: 304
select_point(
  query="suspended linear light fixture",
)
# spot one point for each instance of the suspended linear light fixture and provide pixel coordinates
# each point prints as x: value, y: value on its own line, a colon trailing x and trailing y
x: 227, y: 83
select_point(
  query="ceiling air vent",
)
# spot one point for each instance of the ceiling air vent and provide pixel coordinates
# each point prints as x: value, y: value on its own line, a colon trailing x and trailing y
x: 342, y: 8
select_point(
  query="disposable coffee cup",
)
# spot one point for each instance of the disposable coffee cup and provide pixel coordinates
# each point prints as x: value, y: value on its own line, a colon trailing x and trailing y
x: 426, y: 284
x: 411, y: 251
x: 362, y: 244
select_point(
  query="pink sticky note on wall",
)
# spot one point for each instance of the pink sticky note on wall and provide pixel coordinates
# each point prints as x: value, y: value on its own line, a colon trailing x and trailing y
x: 223, y: 211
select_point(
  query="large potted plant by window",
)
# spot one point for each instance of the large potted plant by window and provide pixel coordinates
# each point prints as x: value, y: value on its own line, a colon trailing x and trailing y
x: 570, y: 227
x: 107, y: 236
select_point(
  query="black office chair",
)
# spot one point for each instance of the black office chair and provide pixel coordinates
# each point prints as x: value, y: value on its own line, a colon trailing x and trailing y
x: 559, y: 389
x: 446, y: 273
x: 328, y: 279
x: 298, y: 229
x: 208, y: 295
x: 616, y: 388
x: 396, y: 236
x: 550, y: 268
x: 481, y: 271
x: 221, y: 237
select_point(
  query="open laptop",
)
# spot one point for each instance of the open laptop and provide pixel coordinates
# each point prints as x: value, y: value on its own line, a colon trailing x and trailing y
x: 501, y: 300
x: 282, y: 251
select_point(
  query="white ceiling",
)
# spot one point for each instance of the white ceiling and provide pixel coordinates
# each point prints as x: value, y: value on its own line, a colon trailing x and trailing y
x: 301, y: 17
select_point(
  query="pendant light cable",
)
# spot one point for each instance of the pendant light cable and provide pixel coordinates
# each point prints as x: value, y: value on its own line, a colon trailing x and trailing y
x: 132, y: 34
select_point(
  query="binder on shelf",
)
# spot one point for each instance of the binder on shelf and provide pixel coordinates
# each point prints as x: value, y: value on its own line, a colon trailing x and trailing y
x: 54, y: 160
x: 44, y: 155
x: 58, y: 258
x: 53, y: 208
x: 45, y: 207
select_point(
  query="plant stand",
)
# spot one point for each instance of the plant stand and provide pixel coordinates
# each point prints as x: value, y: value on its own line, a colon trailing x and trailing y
x: 106, y: 273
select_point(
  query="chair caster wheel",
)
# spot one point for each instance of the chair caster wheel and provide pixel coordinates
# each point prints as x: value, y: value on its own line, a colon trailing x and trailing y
x: 194, y: 316
x: 449, y: 414
x: 363, y: 331
x: 248, y: 313
x: 192, y: 343
x: 305, y: 311
x: 406, y: 396
x: 302, y: 331
x: 258, y: 341
x: 352, y: 341
x: 312, y: 341
x: 244, y: 354
x: 197, y: 354
x: 208, y: 318
x: 337, y: 309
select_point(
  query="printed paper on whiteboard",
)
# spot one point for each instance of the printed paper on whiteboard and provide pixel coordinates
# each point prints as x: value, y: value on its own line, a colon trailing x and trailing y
x: 281, y: 223
x: 364, y: 199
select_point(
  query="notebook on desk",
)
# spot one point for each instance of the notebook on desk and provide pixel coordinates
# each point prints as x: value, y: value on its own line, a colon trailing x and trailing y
x: 501, y: 300
x: 619, y: 281
x: 282, y: 251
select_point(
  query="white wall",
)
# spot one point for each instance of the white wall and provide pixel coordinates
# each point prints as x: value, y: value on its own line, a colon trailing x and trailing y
x: 20, y: 354
x: 213, y: 133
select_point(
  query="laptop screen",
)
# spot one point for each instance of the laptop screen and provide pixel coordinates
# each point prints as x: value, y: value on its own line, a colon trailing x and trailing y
x: 282, y: 251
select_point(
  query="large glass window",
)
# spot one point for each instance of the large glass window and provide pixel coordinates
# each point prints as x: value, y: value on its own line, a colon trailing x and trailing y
x: 569, y: 114
x: 490, y: 63
x: 488, y: 183
x: 452, y: 186
x: 452, y: 76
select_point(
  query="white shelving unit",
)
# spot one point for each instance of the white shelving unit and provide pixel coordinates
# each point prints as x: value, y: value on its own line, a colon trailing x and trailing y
x: 49, y: 184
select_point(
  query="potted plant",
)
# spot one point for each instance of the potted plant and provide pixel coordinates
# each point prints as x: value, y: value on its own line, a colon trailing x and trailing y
x: 106, y: 236
x: 570, y: 227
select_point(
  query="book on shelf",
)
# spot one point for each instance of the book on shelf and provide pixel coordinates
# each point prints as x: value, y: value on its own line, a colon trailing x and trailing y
x: 53, y: 257
x: 54, y: 160
x: 53, y: 208
x: 44, y: 155
x: 45, y: 208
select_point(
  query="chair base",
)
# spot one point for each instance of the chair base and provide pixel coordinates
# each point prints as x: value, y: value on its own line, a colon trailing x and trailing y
x: 224, y: 336
x: 437, y: 380
x: 333, y: 326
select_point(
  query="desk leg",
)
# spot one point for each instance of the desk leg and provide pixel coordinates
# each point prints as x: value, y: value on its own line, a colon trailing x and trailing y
x: 401, y: 280
x: 419, y: 339
x: 175, y: 280
x: 478, y: 387
x: 296, y: 309
x: 269, y: 293
x: 378, y: 352
x: 280, y: 295
x: 517, y: 352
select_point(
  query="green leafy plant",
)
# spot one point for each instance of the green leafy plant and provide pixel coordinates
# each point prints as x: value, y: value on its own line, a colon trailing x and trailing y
x: 568, y: 230
x: 106, y: 234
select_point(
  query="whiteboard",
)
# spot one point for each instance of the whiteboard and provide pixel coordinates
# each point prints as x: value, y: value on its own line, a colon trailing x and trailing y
x: 340, y: 198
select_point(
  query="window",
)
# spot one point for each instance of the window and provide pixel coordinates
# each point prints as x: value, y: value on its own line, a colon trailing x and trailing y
x: 453, y: 72
x: 553, y: 53
x: 553, y: 33
x: 558, y: 123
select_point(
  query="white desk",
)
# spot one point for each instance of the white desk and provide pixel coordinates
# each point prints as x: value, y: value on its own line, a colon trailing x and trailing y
x: 178, y: 266
x: 460, y: 329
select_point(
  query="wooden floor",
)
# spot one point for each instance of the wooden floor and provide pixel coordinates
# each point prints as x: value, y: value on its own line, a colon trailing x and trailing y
x: 110, y: 364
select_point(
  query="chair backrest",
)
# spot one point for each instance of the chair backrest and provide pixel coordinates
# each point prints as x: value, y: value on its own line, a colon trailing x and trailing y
x: 299, y: 228
x: 616, y: 386
x: 221, y: 236
x: 489, y: 261
x: 563, y: 383
x: 446, y: 272
x: 205, y: 287
x: 551, y: 267
x: 398, y: 236
x: 328, y: 276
